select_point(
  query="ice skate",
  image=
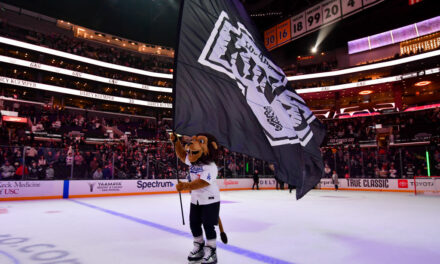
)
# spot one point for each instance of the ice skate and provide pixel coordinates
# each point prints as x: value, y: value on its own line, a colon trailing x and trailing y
x: 210, y: 256
x: 196, y: 255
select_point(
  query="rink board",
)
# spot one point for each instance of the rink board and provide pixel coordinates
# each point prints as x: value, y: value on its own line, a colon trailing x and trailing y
x: 381, y: 185
x: 28, y: 190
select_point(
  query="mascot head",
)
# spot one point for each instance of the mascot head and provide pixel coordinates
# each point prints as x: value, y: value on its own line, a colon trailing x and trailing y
x: 202, y: 149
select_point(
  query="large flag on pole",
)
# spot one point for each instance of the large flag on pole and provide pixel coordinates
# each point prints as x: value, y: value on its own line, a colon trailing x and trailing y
x: 226, y: 84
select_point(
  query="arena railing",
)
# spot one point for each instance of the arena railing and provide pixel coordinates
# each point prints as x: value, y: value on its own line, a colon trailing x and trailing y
x: 40, y: 66
x: 54, y: 163
x: 366, y: 67
x: 81, y: 162
x: 76, y: 109
x: 170, y: 76
x: 62, y: 90
x: 169, y: 90
x: 62, y: 54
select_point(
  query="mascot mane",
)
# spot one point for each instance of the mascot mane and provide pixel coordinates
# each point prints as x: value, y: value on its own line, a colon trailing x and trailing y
x: 212, y: 156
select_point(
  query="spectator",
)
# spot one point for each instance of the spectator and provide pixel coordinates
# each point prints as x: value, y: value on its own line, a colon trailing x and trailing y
x: 410, y: 171
x: 97, y: 175
x: 50, y: 172
x: 33, y: 172
x: 69, y: 159
x: 327, y: 171
x: 347, y: 172
x: 42, y: 161
x: 144, y: 171
x: 7, y: 171
x: 369, y: 171
x: 139, y: 173
x: 107, y: 172
x: 383, y: 172
x: 31, y: 153
x: 79, y: 162
x: 94, y: 164
x: 393, y: 172
x: 376, y: 171
x: 50, y: 159
x: 21, y: 172
x: 335, y: 180
x: 256, y: 181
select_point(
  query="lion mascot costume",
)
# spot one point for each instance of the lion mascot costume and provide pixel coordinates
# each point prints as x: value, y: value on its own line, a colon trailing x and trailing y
x: 200, y: 154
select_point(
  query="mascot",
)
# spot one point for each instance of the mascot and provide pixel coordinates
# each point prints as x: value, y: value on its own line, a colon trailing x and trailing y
x: 200, y: 154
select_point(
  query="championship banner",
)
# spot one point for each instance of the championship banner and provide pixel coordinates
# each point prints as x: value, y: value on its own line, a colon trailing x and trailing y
x: 227, y: 85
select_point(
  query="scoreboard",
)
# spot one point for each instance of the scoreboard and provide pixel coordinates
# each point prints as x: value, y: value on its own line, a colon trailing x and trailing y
x: 312, y: 19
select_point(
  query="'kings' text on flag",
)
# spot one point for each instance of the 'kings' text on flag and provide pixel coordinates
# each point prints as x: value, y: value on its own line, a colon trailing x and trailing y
x: 227, y: 85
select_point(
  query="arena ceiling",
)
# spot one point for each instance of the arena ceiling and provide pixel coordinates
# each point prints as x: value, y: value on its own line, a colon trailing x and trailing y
x: 147, y: 20
x: 155, y: 21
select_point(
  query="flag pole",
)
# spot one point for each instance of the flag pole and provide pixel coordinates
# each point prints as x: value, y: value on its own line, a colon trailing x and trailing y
x: 174, y: 95
x: 177, y: 178
x: 180, y: 194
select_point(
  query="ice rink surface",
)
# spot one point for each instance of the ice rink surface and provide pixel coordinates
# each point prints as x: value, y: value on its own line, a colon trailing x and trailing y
x: 262, y: 226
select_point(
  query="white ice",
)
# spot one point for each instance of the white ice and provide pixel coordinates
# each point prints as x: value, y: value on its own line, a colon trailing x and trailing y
x: 262, y: 226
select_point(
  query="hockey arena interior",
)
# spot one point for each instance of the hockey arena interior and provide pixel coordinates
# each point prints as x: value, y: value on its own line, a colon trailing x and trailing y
x: 93, y: 170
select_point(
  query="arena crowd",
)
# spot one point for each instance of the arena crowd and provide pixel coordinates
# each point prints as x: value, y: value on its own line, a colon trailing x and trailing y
x: 59, y: 144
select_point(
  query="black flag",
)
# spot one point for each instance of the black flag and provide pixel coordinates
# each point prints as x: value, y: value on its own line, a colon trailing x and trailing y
x: 226, y: 84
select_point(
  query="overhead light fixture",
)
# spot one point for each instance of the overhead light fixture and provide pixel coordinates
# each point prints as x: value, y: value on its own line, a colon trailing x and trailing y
x: 365, y: 92
x: 58, y: 53
x: 423, y: 83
